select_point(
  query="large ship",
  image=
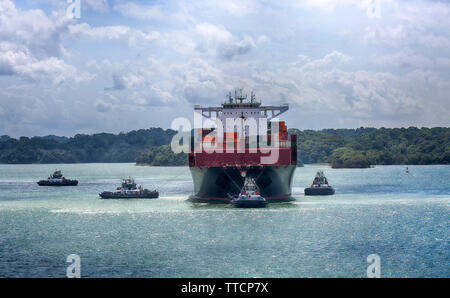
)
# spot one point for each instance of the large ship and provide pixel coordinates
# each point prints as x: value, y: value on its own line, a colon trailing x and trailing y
x: 219, y: 174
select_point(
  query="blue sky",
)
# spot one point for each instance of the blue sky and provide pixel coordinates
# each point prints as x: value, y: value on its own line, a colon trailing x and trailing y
x: 136, y: 64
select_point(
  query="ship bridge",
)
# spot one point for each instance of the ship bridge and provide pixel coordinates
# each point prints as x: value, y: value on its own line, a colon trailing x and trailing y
x: 238, y: 107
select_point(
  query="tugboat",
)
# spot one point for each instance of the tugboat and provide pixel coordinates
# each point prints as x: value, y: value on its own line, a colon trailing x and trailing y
x: 319, y: 187
x: 249, y: 196
x: 129, y: 190
x: 57, y: 179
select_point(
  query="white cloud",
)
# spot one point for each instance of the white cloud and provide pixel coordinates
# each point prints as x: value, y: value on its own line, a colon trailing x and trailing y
x: 400, y: 35
x: 320, y: 85
x: 141, y: 12
x: 118, y: 83
x: 32, y: 28
x: 330, y: 5
x: 102, y: 106
x: 221, y: 42
x: 113, y: 33
x: 31, y: 46
x: 412, y: 23
x: 237, y: 7
x: 97, y: 5
x: 392, y: 35
x: 102, y: 33
x: 405, y: 58
x: 96, y: 72
x: 332, y: 59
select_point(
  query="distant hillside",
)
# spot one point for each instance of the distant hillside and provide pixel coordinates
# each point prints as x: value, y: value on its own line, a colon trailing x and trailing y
x: 56, y: 138
x: 362, y: 147
x: 161, y: 156
x: 4, y: 138
x: 102, y: 147
x: 342, y: 148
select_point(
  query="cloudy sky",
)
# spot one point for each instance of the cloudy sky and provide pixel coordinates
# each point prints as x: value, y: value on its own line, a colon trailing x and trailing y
x: 127, y: 65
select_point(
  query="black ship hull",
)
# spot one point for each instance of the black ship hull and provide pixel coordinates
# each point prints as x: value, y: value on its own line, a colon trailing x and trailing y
x: 246, y: 203
x: 319, y: 191
x: 220, y: 184
x: 114, y: 195
x: 62, y: 183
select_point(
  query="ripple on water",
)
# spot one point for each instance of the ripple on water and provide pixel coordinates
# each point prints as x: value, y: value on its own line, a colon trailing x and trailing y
x: 403, y: 219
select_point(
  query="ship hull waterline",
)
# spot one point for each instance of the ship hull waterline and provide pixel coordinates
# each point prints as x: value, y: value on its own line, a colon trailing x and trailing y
x: 319, y: 191
x: 112, y: 196
x: 220, y: 184
x: 65, y: 183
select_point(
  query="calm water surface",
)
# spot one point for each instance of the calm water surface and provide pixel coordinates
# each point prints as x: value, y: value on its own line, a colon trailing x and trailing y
x: 404, y: 218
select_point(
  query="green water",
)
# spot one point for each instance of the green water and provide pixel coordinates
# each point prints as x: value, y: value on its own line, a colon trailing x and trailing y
x: 404, y: 218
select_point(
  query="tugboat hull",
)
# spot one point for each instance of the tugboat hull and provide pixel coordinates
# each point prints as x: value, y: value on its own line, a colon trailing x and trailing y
x: 145, y: 195
x: 220, y: 184
x: 62, y: 183
x: 319, y: 191
x: 248, y: 203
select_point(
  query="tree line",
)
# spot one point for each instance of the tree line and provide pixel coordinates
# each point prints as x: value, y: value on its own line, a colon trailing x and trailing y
x: 102, y: 147
x: 362, y: 147
x: 342, y: 148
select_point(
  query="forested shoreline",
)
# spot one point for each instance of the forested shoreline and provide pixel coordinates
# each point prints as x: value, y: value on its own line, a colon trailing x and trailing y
x: 362, y: 147
x: 342, y: 148
x: 82, y: 148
